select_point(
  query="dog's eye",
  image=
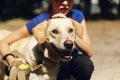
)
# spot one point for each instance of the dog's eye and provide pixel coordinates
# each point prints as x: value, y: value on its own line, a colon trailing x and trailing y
x: 55, y: 31
x: 70, y: 30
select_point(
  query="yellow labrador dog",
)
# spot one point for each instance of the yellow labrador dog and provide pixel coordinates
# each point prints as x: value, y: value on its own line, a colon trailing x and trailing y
x: 52, y: 41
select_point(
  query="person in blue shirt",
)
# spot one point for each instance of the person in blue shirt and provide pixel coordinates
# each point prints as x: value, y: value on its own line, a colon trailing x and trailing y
x: 80, y: 66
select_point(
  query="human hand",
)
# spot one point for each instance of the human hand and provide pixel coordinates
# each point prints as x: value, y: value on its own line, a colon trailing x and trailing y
x: 19, y: 63
x: 59, y: 15
x: 17, y: 69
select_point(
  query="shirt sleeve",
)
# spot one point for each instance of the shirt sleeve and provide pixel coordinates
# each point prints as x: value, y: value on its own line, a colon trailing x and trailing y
x: 38, y: 19
x: 77, y: 15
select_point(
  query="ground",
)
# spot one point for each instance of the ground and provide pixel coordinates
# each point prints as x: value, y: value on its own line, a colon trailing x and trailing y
x: 105, y: 38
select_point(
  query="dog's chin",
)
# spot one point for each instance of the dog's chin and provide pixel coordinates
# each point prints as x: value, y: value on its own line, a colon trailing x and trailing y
x: 67, y: 58
x: 64, y: 53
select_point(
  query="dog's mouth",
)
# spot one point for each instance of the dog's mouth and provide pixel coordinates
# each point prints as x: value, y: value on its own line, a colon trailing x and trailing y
x: 64, y: 54
x: 66, y: 57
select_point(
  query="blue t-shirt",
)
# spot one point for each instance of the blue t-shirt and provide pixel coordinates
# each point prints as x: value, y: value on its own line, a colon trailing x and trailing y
x: 74, y: 14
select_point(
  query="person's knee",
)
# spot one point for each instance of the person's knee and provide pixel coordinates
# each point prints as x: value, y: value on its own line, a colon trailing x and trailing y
x: 64, y: 71
x: 83, y: 67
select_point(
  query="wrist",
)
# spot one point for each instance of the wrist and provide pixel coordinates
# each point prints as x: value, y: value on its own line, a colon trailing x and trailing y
x: 7, y: 55
x: 8, y: 58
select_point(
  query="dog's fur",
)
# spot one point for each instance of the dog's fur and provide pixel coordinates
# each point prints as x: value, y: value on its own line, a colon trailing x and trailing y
x: 52, y: 42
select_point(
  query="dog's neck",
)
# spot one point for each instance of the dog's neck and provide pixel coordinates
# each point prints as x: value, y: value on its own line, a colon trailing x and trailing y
x: 48, y: 58
x: 49, y: 64
x: 45, y: 51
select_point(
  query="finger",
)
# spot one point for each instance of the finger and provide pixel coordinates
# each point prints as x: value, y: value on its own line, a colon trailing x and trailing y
x: 59, y: 15
x: 21, y: 75
x: 13, y: 73
x: 23, y: 60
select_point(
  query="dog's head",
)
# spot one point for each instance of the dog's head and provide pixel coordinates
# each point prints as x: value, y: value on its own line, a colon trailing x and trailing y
x: 60, y: 34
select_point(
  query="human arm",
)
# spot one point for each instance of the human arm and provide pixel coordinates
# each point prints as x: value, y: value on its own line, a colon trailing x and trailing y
x: 11, y: 38
x: 84, y: 44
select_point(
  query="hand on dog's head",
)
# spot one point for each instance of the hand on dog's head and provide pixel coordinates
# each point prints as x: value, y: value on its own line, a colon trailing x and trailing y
x: 59, y: 15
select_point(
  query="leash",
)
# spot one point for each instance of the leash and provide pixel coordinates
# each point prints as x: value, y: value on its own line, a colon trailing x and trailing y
x: 18, y: 69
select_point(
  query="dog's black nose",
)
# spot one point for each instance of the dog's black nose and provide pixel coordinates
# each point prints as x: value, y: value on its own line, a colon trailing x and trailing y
x: 68, y: 44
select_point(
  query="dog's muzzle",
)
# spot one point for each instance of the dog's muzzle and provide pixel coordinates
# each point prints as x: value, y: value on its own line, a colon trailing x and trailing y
x: 67, y: 52
x: 68, y: 44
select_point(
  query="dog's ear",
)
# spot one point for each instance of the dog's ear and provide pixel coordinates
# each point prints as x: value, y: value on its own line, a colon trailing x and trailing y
x: 40, y: 32
x: 78, y: 28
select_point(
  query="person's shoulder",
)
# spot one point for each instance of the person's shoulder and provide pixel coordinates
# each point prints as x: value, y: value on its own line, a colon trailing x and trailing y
x: 41, y: 17
x: 77, y: 15
x: 43, y: 14
x: 76, y: 11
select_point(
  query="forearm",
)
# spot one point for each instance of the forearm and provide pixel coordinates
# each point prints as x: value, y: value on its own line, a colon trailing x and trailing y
x: 4, y: 49
x: 11, y: 38
x: 83, y: 46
